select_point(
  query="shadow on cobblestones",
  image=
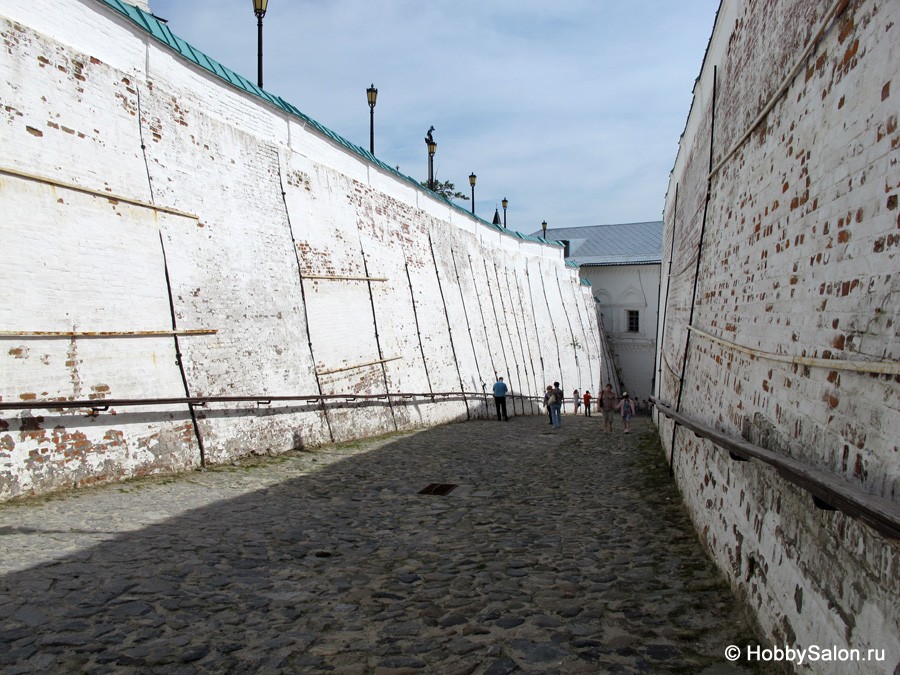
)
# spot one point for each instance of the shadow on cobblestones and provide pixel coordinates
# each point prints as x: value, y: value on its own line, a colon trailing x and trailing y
x: 562, y: 551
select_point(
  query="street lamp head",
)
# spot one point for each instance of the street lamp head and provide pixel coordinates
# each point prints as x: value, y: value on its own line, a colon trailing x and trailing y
x: 472, y: 179
x: 372, y: 94
x: 432, y: 147
x: 259, y: 8
x: 544, y: 226
x: 505, y: 202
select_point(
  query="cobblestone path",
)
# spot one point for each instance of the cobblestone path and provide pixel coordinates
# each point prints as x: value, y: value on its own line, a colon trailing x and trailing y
x: 561, y: 551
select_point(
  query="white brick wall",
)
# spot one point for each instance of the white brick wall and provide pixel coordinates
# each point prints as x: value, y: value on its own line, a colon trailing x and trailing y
x: 266, y: 199
x: 799, y: 259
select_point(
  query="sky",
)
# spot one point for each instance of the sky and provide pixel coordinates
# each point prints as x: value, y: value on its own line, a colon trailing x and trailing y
x: 570, y: 109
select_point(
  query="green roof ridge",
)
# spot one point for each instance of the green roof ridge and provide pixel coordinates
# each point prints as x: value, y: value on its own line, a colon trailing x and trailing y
x: 159, y: 30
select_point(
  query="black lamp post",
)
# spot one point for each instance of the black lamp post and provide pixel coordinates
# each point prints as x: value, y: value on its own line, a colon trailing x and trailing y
x: 372, y: 94
x: 472, y: 179
x: 505, y: 203
x: 259, y: 8
x: 432, y: 148
x: 544, y: 226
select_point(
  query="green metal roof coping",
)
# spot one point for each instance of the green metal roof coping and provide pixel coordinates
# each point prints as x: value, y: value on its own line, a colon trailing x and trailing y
x: 585, y: 282
x: 159, y: 30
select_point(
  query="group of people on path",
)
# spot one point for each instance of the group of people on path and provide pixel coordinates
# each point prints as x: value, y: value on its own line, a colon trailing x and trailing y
x: 608, y: 403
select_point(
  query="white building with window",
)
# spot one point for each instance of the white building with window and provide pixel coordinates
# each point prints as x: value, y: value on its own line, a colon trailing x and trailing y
x: 622, y: 262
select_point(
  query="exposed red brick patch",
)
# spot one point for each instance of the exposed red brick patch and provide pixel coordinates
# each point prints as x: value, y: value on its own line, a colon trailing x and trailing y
x: 848, y: 286
x: 850, y: 53
x: 846, y: 28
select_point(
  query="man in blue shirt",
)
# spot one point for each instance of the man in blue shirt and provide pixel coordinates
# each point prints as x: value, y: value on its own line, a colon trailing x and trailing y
x: 500, y: 391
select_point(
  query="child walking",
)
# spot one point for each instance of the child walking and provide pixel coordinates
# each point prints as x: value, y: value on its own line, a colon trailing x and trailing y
x: 626, y: 405
x: 587, y: 404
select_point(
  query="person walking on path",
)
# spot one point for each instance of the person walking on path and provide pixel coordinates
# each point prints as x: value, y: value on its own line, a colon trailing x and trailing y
x: 500, y: 391
x: 608, y: 403
x: 628, y: 410
x: 547, y: 402
x: 587, y: 404
x: 576, y: 400
x: 555, y: 404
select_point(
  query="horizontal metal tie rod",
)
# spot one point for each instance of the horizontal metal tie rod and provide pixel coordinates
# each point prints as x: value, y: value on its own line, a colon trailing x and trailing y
x: 95, y: 193
x: 105, y: 403
x: 359, y: 365
x: 882, y: 367
x: 877, y: 512
x: 101, y: 334
x: 317, y: 276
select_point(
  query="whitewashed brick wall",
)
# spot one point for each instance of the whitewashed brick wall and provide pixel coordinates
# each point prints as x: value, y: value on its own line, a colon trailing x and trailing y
x: 249, y: 200
x: 799, y: 259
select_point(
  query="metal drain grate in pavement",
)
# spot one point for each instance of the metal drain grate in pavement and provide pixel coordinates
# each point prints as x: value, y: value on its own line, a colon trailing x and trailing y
x: 440, y: 489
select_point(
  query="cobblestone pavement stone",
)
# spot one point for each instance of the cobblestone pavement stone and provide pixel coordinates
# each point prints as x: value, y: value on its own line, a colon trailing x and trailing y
x: 561, y: 551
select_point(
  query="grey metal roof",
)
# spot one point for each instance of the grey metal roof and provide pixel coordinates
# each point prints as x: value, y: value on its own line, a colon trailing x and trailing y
x: 620, y: 244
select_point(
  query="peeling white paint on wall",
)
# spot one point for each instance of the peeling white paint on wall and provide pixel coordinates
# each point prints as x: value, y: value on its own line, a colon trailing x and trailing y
x: 799, y: 259
x: 141, y: 193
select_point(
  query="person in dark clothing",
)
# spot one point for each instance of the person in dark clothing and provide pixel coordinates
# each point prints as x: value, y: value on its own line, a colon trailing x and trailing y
x: 555, y: 401
x: 500, y: 391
